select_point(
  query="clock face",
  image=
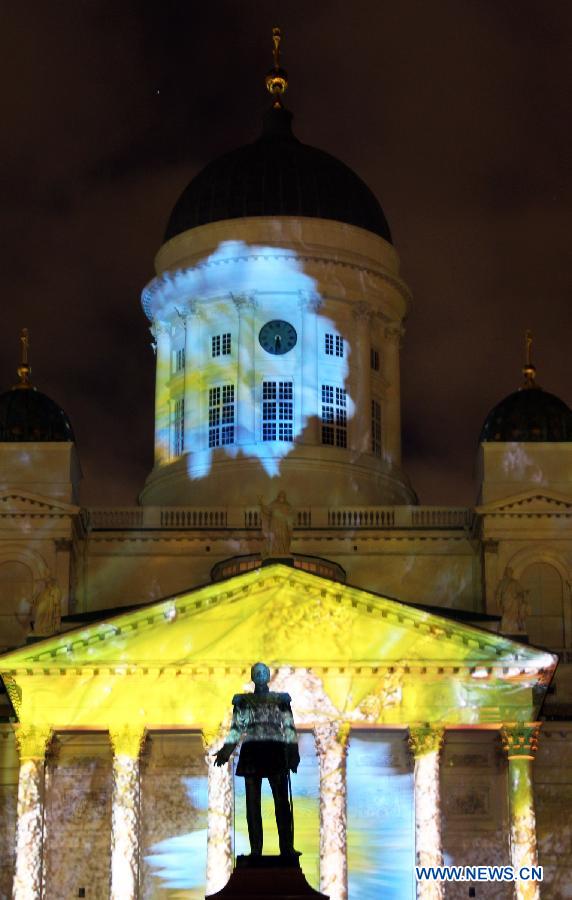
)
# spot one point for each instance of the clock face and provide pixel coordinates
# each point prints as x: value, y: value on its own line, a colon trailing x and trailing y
x: 277, y: 337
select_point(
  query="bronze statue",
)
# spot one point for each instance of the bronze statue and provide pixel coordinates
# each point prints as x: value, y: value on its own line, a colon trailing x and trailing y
x: 269, y: 750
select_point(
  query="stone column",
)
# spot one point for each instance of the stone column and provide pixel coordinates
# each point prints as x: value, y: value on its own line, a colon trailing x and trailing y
x: 520, y: 741
x: 125, y: 811
x: 245, y: 403
x: 32, y: 741
x: 161, y: 331
x: 425, y: 742
x: 361, y: 370
x: 332, y: 748
x: 310, y: 405
x: 391, y: 420
x: 219, y: 816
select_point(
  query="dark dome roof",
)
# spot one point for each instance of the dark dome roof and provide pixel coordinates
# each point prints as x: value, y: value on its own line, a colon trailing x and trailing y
x: 277, y: 175
x: 529, y: 414
x: 28, y: 415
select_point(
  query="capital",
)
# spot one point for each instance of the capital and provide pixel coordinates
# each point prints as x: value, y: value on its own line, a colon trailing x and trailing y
x: 362, y: 312
x: 424, y: 739
x: 158, y: 328
x: 309, y: 301
x: 520, y: 739
x: 394, y: 333
x: 127, y: 740
x: 32, y: 740
x: 243, y: 302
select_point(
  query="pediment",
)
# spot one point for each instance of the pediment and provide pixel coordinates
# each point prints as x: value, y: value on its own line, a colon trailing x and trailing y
x: 26, y: 503
x: 529, y: 503
x: 283, y: 615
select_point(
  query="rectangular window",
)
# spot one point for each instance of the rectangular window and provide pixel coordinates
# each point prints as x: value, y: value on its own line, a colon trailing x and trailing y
x: 179, y: 427
x: 277, y: 410
x: 221, y: 415
x: 375, y: 428
x: 334, y: 416
x: 333, y: 345
x: 374, y: 359
x: 220, y: 344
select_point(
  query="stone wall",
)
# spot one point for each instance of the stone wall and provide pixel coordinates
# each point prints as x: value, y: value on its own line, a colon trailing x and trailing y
x: 553, y: 796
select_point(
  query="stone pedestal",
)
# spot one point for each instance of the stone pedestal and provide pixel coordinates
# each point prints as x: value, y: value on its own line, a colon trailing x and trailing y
x: 266, y: 878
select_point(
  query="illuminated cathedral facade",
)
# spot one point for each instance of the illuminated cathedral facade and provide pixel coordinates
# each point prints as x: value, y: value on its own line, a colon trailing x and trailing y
x: 427, y: 649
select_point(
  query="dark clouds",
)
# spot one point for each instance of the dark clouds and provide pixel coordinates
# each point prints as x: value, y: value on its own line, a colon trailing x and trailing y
x: 454, y: 113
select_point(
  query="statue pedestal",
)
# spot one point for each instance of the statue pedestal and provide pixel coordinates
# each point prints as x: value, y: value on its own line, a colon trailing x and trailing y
x: 266, y: 878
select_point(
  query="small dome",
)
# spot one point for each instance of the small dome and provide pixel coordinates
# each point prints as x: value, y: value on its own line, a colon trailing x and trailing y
x: 28, y: 415
x: 277, y: 175
x: 530, y: 414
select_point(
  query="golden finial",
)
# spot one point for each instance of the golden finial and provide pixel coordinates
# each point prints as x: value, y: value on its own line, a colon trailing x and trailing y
x: 276, y: 78
x: 528, y: 370
x: 24, y: 369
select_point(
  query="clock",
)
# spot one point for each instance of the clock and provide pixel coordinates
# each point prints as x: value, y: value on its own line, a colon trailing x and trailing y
x: 277, y: 337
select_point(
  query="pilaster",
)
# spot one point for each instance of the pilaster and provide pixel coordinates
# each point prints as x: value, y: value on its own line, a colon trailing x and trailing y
x: 245, y: 388
x: 309, y: 306
x: 161, y: 332
x: 391, y: 423
x: 361, y: 431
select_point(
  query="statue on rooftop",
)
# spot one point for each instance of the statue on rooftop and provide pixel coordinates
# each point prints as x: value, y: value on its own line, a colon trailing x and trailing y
x: 47, y: 608
x: 277, y: 526
x: 264, y: 721
x: 512, y: 602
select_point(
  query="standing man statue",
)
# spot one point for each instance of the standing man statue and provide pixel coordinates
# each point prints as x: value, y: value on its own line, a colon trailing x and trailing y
x: 269, y: 750
x: 511, y: 599
x: 47, y: 609
x: 277, y: 526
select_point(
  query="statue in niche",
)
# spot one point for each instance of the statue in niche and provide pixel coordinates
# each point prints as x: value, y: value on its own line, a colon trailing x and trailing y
x: 47, y: 609
x: 277, y: 526
x: 269, y: 750
x: 511, y: 599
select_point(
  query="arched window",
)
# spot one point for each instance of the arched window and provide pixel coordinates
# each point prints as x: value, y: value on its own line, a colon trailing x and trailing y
x: 545, y: 623
x: 16, y: 595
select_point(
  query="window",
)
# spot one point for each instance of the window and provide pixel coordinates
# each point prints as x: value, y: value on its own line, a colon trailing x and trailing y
x: 374, y: 359
x: 179, y: 360
x: 334, y: 345
x: 221, y: 415
x: 334, y: 416
x: 220, y: 344
x: 277, y: 410
x: 375, y: 428
x: 179, y: 427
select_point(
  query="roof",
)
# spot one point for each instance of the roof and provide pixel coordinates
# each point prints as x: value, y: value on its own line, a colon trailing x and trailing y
x: 28, y: 415
x: 277, y: 175
x: 529, y: 414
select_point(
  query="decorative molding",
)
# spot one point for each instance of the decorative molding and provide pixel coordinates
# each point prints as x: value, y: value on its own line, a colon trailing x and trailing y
x: 520, y: 739
x: 424, y: 739
x: 127, y: 740
x: 14, y: 692
x: 32, y: 740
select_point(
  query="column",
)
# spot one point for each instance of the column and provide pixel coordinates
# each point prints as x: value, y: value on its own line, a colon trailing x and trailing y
x: 310, y: 407
x: 520, y: 742
x: 219, y: 816
x: 193, y: 374
x: 125, y: 811
x: 425, y: 743
x: 361, y: 370
x: 332, y: 748
x: 161, y: 331
x: 391, y: 420
x: 32, y: 741
x: 245, y: 401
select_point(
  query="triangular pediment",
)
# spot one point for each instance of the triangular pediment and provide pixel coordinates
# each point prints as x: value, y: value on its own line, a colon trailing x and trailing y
x: 529, y: 503
x: 26, y: 503
x: 342, y: 651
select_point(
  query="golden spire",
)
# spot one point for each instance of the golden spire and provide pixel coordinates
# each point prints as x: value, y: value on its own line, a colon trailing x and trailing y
x: 24, y: 369
x: 528, y: 370
x: 276, y: 78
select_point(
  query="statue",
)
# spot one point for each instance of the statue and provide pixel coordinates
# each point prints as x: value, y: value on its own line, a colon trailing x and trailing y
x: 47, y: 611
x: 277, y: 526
x: 269, y: 750
x: 511, y: 599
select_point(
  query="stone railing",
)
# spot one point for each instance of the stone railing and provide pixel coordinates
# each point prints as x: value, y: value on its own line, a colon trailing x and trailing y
x: 336, y: 517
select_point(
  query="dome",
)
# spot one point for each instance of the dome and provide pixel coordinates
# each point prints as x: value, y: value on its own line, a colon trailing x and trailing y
x: 28, y: 415
x: 277, y: 175
x: 530, y: 414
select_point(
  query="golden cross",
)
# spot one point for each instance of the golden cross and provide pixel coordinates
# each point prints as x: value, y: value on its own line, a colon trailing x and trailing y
x: 528, y: 343
x: 25, y: 342
x: 276, y: 38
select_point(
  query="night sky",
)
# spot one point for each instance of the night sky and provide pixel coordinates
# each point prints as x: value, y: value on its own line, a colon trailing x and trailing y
x: 453, y: 112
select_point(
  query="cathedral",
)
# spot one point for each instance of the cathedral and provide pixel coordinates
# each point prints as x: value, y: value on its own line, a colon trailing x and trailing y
x: 427, y: 649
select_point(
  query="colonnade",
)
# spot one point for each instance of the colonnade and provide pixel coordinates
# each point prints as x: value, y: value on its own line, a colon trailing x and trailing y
x: 332, y: 738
